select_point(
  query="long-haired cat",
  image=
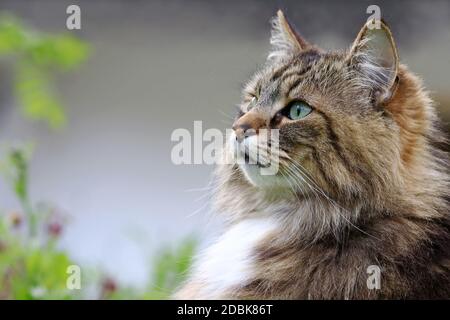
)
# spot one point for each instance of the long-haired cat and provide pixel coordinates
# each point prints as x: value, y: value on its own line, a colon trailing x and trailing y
x: 362, y: 185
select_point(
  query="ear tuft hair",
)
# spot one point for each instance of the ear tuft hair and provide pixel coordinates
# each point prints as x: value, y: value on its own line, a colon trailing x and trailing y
x: 375, y: 54
x: 284, y: 39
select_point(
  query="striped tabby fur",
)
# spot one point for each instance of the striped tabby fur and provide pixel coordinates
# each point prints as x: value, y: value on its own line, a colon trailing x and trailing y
x: 366, y: 182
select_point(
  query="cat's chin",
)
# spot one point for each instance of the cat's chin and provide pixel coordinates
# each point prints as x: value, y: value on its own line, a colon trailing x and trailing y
x: 253, y: 174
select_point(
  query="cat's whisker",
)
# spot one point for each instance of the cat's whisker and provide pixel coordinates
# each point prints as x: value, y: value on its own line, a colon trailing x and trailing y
x: 300, y: 176
x: 197, y: 211
x: 200, y: 189
x: 226, y: 115
x: 211, y: 189
x: 318, y: 198
x: 337, y: 206
x: 291, y: 186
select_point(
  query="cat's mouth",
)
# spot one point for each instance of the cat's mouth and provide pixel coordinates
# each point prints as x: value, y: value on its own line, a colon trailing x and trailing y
x: 247, y: 153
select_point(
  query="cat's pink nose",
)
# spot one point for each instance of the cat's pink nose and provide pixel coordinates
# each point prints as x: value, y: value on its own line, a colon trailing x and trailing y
x: 248, y: 125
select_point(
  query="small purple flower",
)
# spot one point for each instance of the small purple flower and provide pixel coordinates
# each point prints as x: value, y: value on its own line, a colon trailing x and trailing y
x: 109, y: 286
x: 16, y: 219
x: 54, y: 229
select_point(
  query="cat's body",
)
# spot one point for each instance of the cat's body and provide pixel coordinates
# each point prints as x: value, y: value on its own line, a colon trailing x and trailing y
x: 366, y: 183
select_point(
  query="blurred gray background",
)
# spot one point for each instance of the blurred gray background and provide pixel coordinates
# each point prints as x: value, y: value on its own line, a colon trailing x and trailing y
x: 157, y: 66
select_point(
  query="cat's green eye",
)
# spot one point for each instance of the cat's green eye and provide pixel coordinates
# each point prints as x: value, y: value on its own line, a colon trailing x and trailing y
x: 298, y: 110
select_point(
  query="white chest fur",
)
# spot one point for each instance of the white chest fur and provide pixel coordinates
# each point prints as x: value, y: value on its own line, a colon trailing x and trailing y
x: 228, y: 262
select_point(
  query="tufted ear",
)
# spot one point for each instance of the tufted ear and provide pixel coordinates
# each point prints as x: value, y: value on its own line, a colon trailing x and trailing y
x: 284, y: 39
x: 375, y: 54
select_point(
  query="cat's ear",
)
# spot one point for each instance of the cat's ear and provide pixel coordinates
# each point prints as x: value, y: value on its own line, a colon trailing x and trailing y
x: 284, y: 39
x: 375, y: 53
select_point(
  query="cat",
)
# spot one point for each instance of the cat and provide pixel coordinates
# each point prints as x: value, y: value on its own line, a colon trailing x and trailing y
x: 363, y: 181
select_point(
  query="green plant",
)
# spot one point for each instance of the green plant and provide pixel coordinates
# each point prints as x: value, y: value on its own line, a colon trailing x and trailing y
x: 32, y: 272
x: 170, y: 267
x: 31, y: 267
x: 36, y: 58
x: 15, y: 169
x: 31, y: 264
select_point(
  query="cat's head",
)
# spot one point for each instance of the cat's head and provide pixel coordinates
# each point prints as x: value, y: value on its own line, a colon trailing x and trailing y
x: 341, y: 115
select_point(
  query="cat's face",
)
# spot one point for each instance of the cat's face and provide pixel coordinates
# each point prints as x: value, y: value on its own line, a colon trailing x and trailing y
x: 334, y: 133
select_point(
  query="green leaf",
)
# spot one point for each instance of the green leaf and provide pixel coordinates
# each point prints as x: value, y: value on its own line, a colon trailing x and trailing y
x: 20, y: 165
x: 62, y: 51
x: 38, y: 99
x: 12, y: 37
x: 37, y: 57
